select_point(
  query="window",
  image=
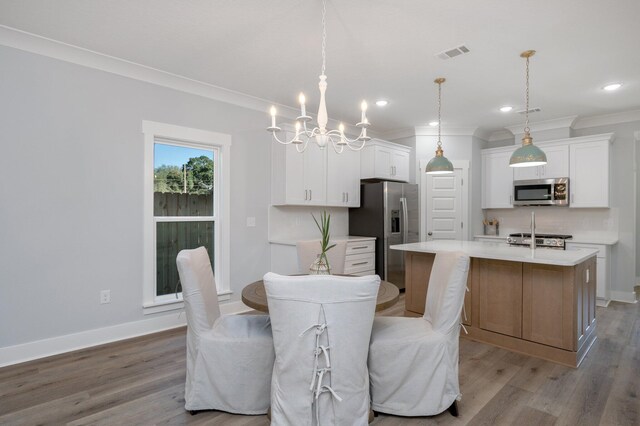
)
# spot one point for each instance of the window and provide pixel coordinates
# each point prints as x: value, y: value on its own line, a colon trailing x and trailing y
x: 186, y: 205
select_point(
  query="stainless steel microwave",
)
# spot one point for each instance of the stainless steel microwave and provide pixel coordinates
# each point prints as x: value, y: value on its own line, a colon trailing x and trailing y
x: 541, y: 192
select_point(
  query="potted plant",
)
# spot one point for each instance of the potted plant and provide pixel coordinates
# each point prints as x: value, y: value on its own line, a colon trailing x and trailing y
x: 321, y: 265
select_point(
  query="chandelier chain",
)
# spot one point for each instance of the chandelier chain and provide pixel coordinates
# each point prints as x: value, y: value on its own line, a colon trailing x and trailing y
x: 439, y: 112
x: 526, y: 124
x: 324, y: 36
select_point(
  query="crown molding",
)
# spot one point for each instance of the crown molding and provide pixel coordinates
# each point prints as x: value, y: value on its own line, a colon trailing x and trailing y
x: 556, y: 123
x: 500, y: 135
x: 396, y: 134
x: 482, y: 134
x: 22, y: 40
x: 447, y: 131
x: 607, y: 119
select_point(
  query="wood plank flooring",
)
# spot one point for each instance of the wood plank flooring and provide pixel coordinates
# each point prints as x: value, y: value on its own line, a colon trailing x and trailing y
x: 141, y: 382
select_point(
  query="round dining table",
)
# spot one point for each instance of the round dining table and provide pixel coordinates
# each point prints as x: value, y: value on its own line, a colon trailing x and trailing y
x: 254, y: 296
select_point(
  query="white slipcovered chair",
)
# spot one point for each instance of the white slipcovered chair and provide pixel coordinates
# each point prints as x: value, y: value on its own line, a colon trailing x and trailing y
x: 309, y: 250
x: 413, y: 362
x: 321, y: 328
x: 229, y: 358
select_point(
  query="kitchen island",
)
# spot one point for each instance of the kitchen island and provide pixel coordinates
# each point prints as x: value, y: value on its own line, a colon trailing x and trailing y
x: 540, y: 303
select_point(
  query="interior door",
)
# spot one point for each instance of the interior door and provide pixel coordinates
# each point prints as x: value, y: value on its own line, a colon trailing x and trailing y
x: 444, y: 206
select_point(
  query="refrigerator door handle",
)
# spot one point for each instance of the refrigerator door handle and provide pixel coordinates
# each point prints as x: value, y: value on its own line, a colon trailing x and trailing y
x: 405, y: 221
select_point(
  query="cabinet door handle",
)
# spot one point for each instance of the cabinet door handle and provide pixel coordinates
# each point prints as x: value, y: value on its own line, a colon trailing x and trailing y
x: 306, y: 194
x: 571, y: 198
x: 347, y: 197
x: 510, y: 199
x: 310, y: 195
x: 358, y: 248
x: 359, y: 263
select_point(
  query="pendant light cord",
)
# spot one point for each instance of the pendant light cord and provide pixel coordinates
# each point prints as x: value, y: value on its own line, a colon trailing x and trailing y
x: 526, y: 124
x: 324, y: 36
x: 439, y: 113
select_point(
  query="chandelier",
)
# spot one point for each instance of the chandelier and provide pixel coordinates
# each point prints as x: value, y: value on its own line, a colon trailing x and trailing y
x: 439, y: 164
x: 528, y: 155
x: 320, y: 135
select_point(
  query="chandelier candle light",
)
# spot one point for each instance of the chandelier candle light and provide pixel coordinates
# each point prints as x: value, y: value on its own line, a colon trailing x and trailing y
x: 320, y: 134
x: 528, y: 155
x: 439, y: 164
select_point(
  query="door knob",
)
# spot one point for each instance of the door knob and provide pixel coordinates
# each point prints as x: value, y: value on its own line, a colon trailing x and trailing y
x: 429, y: 233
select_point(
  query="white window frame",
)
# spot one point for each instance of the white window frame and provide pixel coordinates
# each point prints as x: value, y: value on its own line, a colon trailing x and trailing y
x: 193, y: 138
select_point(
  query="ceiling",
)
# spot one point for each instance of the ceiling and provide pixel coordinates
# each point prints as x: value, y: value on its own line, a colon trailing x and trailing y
x: 375, y: 49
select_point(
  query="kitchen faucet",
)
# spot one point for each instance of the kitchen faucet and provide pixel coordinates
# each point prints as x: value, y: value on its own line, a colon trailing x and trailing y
x: 533, y: 230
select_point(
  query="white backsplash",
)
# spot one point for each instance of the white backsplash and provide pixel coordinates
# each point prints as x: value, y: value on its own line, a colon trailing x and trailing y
x: 296, y: 223
x: 557, y: 220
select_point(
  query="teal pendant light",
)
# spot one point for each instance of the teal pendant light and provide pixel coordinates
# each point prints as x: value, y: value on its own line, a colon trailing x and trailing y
x: 528, y: 155
x: 439, y: 164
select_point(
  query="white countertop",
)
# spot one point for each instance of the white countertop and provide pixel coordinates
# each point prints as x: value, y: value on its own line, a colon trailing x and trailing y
x: 292, y: 242
x: 501, y: 251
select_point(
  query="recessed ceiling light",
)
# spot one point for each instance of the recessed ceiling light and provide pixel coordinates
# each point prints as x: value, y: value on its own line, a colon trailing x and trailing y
x: 612, y: 86
x: 506, y: 108
x: 382, y: 103
x: 433, y: 123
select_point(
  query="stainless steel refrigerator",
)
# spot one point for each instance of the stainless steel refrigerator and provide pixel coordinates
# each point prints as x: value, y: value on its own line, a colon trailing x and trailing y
x: 389, y: 212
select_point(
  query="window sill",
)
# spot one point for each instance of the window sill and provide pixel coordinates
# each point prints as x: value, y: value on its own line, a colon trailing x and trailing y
x: 175, y: 304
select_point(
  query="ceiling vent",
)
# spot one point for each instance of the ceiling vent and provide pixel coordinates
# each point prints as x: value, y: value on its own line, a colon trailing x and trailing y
x: 452, y: 53
x: 531, y: 110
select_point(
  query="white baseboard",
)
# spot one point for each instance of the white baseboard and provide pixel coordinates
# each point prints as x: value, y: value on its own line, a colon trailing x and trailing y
x: 57, y: 345
x: 624, y: 296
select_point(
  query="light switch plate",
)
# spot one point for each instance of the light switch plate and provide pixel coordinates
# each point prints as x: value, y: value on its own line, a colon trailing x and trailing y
x: 251, y: 222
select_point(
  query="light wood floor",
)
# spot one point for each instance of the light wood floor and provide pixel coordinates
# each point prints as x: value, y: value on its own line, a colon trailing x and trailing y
x: 141, y: 381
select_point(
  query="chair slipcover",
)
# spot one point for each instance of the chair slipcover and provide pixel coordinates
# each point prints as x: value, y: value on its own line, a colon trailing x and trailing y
x: 413, y: 362
x: 308, y: 251
x: 321, y: 330
x: 229, y: 358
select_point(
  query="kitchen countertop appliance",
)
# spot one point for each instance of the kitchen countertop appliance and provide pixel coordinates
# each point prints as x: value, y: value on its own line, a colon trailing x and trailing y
x: 553, y: 241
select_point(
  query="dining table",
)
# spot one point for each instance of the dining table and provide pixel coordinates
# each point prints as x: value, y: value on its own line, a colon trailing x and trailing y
x: 255, y: 296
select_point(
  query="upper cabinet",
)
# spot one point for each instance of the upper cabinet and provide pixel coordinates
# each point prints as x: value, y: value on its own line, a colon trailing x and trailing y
x: 497, y: 179
x: 385, y: 160
x: 589, y: 174
x: 343, y: 178
x: 298, y: 178
x: 585, y: 160
x: 557, y: 165
x: 315, y: 177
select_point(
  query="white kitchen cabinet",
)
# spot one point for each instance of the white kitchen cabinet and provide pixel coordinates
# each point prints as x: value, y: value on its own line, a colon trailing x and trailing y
x: 385, y: 160
x: 298, y: 178
x: 497, y: 179
x: 360, y: 258
x: 589, y: 174
x: 603, y: 270
x: 557, y: 164
x: 343, y: 178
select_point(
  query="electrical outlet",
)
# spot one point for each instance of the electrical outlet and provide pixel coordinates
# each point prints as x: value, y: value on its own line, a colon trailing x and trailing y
x: 251, y: 222
x: 105, y: 296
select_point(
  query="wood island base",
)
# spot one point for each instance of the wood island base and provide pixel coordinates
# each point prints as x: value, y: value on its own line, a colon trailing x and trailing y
x: 541, y: 310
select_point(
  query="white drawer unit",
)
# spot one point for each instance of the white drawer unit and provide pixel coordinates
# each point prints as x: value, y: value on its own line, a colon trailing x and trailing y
x: 361, y: 247
x: 360, y: 257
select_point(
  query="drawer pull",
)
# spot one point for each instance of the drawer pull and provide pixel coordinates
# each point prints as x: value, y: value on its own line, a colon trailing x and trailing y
x: 359, y: 263
x: 359, y: 247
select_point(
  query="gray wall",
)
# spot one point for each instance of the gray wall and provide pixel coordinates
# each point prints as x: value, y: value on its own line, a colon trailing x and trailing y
x: 71, y: 212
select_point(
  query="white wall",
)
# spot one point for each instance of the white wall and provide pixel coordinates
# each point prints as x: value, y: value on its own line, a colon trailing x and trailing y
x: 71, y: 189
